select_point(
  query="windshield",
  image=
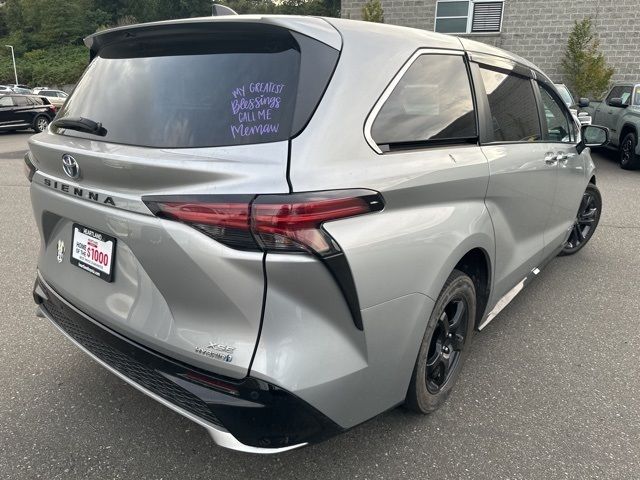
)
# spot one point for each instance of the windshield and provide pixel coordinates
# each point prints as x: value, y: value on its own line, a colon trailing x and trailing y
x: 193, y: 92
x: 565, y: 94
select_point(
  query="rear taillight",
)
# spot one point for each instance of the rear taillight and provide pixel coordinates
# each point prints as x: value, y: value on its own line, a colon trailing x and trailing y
x: 223, y: 219
x: 285, y: 223
x: 277, y: 223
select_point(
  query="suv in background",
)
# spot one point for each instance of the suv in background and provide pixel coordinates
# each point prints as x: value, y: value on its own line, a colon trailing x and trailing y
x: 55, y: 97
x: 19, y: 112
x: 295, y: 240
x: 21, y: 89
x: 620, y: 112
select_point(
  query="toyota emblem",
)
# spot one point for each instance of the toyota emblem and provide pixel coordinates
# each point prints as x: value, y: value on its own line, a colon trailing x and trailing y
x: 70, y: 166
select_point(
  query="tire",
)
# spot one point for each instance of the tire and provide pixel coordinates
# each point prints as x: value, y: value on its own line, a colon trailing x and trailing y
x: 40, y: 124
x: 586, y: 221
x: 430, y: 385
x: 628, y: 159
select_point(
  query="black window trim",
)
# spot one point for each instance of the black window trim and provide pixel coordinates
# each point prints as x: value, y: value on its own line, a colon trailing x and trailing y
x: 508, y: 67
x: 386, y: 93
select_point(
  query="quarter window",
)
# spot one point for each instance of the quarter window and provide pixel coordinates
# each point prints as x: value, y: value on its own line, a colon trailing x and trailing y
x: 469, y: 16
x: 556, y: 124
x: 514, y: 112
x: 432, y: 102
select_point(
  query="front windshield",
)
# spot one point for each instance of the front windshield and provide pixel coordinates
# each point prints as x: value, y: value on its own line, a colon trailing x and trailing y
x: 565, y: 95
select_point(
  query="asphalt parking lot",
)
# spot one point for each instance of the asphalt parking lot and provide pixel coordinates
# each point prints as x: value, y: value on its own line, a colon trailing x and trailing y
x: 552, y: 388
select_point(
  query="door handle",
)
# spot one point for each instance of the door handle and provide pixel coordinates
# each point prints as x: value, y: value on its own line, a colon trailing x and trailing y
x: 550, y: 158
x: 564, y: 156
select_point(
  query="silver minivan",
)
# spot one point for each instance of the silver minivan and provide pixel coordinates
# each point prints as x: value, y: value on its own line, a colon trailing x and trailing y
x: 280, y: 227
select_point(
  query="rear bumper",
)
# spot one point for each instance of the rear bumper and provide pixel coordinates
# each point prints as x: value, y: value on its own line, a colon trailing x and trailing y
x: 248, y: 415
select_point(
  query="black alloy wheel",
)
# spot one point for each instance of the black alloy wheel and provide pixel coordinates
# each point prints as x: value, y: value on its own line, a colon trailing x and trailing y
x: 586, y: 221
x: 444, y: 344
x: 628, y: 157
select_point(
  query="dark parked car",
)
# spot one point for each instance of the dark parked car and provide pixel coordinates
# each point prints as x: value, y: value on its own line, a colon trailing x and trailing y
x: 19, y: 112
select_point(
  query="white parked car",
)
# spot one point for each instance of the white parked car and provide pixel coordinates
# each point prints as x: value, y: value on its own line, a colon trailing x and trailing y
x: 583, y: 117
x: 56, y: 97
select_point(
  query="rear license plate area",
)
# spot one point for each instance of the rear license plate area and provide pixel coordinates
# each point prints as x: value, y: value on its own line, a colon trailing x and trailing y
x: 93, y: 252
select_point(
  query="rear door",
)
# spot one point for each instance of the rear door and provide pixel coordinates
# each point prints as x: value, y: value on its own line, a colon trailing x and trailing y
x: 522, y: 180
x: 186, y: 111
x: 23, y: 111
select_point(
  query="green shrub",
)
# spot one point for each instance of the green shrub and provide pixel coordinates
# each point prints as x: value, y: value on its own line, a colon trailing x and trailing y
x: 584, y: 65
x: 373, y: 12
x: 51, y: 66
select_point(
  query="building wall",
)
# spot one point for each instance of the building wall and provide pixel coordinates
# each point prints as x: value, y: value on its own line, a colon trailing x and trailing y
x: 538, y: 29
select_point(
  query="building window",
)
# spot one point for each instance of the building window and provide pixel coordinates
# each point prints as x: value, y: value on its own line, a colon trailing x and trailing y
x: 469, y: 16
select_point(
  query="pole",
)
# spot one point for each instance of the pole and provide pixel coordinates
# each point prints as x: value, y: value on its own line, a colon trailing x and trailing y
x: 13, y: 57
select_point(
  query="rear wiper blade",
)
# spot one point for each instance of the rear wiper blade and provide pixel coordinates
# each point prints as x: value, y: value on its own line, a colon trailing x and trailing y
x: 80, y: 124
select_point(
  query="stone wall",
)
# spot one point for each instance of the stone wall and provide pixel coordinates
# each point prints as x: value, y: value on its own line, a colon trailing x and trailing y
x: 538, y: 29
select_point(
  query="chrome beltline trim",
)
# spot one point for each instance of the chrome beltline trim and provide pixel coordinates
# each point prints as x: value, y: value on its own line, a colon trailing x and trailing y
x: 220, y: 436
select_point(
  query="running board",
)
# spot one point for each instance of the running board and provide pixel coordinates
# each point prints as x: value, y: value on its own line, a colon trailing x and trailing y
x: 510, y: 295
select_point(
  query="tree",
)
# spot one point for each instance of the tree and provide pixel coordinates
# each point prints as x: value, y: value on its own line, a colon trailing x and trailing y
x: 584, y: 65
x: 372, y: 11
x: 47, y: 34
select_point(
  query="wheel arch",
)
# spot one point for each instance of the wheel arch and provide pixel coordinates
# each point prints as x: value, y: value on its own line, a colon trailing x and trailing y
x: 476, y: 263
x: 627, y: 128
x: 474, y: 257
x: 35, y: 119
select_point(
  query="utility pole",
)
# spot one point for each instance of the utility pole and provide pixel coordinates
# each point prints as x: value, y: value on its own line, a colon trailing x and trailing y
x: 15, y: 72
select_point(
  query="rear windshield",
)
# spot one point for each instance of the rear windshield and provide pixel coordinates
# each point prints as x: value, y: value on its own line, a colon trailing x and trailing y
x: 202, y: 91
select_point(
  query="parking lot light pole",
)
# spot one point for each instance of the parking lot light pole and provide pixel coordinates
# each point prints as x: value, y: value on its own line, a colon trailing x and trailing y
x: 15, y: 72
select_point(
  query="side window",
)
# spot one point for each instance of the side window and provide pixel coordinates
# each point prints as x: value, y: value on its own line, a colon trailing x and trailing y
x: 556, y: 125
x: 6, y: 102
x: 514, y: 111
x: 432, y: 101
x: 614, y: 93
x: 636, y: 96
x: 622, y: 92
x: 625, y: 95
x: 20, y: 101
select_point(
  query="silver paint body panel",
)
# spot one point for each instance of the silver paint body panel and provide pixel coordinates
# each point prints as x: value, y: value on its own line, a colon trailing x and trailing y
x: 176, y: 289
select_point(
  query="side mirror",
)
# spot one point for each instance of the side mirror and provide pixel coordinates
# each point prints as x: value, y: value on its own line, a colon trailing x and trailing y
x: 583, y: 102
x: 617, y: 102
x: 593, y: 136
